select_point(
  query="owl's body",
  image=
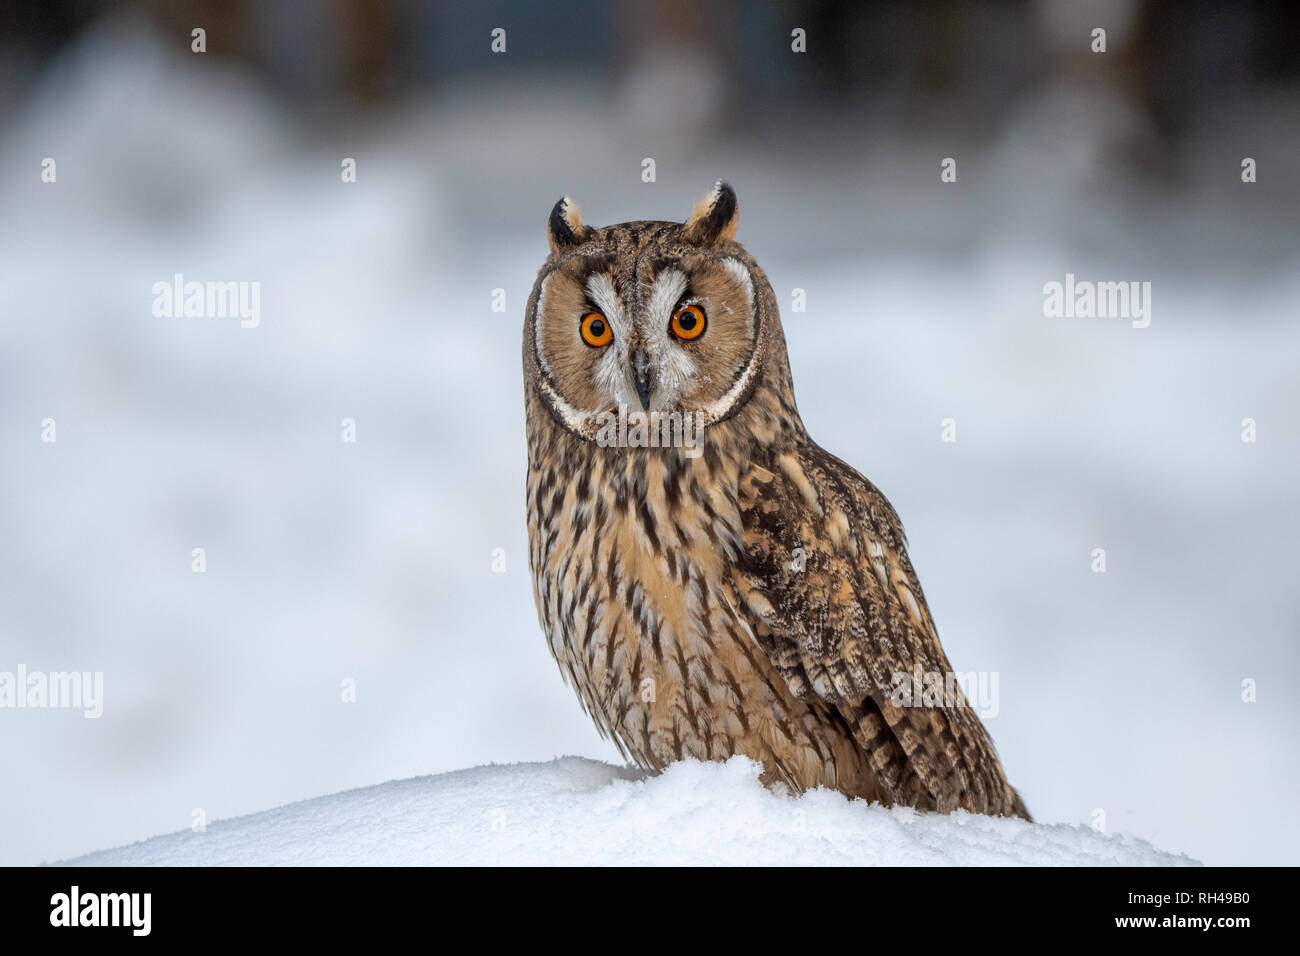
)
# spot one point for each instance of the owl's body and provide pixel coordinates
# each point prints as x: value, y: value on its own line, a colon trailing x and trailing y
x: 755, y: 598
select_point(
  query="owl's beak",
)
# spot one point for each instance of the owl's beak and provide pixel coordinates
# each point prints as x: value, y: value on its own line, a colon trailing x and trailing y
x: 641, y: 373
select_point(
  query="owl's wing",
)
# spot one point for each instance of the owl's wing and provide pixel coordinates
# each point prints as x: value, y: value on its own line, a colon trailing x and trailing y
x: 833, y: 600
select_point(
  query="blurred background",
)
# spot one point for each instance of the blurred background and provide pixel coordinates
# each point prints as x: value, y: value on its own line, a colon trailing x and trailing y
x: 372, y: 561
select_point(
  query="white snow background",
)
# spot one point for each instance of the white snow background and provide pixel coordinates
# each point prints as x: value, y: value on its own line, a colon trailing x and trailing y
x: 1120, y: 693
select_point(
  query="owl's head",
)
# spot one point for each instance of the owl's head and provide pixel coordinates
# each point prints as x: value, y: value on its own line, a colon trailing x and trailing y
x: 653, y: 316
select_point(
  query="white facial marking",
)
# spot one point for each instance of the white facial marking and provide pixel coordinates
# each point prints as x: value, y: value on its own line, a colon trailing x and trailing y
x: 537, y: 324
x: 611, y: 369
x: 602, y: 293
x: 673, y: 366
x: 719, y: 408
x: 741, y: 275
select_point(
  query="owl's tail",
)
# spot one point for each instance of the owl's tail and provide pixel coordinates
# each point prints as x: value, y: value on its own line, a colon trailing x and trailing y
x: 1018, y: 807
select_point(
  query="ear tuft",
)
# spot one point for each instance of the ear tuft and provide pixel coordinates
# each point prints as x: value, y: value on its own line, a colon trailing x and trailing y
x: 714, y: 218
x: 564, y: 228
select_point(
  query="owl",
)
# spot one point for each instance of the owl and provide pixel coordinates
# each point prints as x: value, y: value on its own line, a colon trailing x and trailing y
x: 725, y: 586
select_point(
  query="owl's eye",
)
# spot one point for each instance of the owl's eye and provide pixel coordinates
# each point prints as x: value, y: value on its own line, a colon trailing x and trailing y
x: 595, y: 330
x: 688, y: 322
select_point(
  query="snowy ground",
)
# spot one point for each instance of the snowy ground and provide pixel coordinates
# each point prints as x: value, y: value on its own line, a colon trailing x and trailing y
x: 372, y: 562
x: 581, y: 812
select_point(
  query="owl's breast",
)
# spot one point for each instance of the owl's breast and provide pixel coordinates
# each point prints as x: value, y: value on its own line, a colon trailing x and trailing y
x: 632, y: 554
x: 627, y: 554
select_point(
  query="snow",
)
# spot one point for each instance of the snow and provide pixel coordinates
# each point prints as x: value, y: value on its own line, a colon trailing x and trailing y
x: 575, y: 811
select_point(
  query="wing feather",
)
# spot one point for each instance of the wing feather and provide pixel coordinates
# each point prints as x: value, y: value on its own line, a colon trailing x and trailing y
x: 835, y: 603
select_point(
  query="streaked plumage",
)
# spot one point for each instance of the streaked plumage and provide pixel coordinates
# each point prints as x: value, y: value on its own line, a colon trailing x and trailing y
x: 667, y: 585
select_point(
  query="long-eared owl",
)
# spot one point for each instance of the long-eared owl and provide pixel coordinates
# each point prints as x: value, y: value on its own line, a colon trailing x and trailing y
x: 711, y: 581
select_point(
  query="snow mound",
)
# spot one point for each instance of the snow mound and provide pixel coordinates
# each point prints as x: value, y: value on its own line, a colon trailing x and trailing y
x: 578, y: 811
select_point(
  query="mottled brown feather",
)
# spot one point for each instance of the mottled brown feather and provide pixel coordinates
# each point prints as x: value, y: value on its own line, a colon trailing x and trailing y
x: 854, y: 617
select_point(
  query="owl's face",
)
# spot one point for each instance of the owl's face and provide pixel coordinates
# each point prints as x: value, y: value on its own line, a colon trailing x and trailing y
x: 646, y: 316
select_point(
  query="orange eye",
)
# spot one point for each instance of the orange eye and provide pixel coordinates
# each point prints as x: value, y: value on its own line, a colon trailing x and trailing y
x: 595, y: 330
x: 688, y: 322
